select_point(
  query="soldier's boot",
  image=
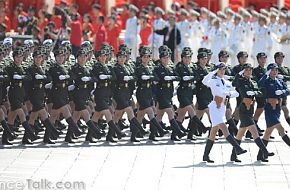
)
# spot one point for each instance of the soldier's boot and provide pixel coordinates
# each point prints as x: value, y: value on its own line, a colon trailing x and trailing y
x: 160, y: 130
x: 134, y: 131
x: 259, y: 129
x: 73, y: 127
x: 249, y: 135
x: 175, y: 129
x: 198, y: 122
x: 95, y: 130
x: 174, y: 136
x: 153, y: 130
x: 110, y: 134
x: 47, y: 135
x: 122, y: 124
x: 54, y: 132
x: 191, y: 130
x: 68, y: 136
x: 288, y: 120
x: 135, y: 122
x: 286, y: 139
x: 26, y: 138
x: 5, y: 138
x: 263, y: 148
x: 9, y: 132
x: 260, y: 156
x: 89, y: 136
x: 234, y: 143
x: 181, y: 126
x: 37, y: 128
x: 29, y: 131
x: 116, y: 130
x: 60, y: 126
x: 232, y: 127
x: 208, y: 147
x: 234, y: 157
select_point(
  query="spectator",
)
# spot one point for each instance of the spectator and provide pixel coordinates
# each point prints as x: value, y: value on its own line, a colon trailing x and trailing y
x: 76, y: 33
x: 56, y: 18
x: 42, y: 20
x: 4, y: 19
x: 113, y: 33
x: 172, y: 36
x: 145, y: 31
x: 125, y: 15
x: 95, y: 14
x: 101, y: 33
x: 88, y: 28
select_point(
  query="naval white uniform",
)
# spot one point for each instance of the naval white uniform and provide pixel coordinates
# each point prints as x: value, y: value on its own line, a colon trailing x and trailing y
x: 132, y: 37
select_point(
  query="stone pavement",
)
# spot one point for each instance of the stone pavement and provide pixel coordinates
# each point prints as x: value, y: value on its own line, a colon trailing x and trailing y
x: 163, y: 165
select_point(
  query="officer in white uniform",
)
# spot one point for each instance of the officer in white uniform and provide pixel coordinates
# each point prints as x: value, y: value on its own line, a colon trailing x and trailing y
x: 286, y: 42
x: 132, y: 37
x: 156, y: 40
x: 221, y: 89
x: 184, y: 28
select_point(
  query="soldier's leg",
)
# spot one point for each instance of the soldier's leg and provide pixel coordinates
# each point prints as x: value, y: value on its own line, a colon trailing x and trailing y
x: 209, y: 144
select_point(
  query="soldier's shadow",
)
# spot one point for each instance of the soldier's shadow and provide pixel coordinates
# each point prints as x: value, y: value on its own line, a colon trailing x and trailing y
x: 228, y: 164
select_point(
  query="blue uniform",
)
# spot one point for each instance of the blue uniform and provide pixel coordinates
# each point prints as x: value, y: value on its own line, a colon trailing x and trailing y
x: 269, y: 87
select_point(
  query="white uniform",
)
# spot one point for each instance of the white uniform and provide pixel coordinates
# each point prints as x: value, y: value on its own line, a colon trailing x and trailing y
x: 184, y: 28
x: 249, y: 36
x: 220, y: 89
x: 156, y: 40
x: 218, y: 40
x: 205, y: 29
x: 195, y: 38
x: 275, y: 33
x: 286, y: 45
x: 236, y: 42
x: 132, y: 37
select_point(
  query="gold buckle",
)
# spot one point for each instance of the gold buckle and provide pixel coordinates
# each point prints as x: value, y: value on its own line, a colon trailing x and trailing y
x: 148, y: 85
x: 20, y: 84
x: 85, y: 86
x: 63, y: 85
x: 40, y: 85
x: 126, y: 85
x: 168, y: 85
x: 106, y: 84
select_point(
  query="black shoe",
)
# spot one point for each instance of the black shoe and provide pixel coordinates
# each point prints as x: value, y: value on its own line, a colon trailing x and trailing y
x: 191, y: 137
x: 174, y: 138
x: 132, y: 139
x: 152, y: 138
x: 249, y: 135
x: 110, y: 139
x: 235, y: 159
x: 5, y: 138
x: 207, y: 159
x: 48, y: 141
x: 90, y: 139
x: 25, y: 140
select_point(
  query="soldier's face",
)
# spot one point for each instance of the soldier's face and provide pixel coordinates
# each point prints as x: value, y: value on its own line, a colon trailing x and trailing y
x: 18, y: 59
x: 262, y: 61
x: 82, y: 59
x: 102, y: 59
x: 279, y: 60
x: 221, y: 72
x: 38, y: 59
x: 248, y: 72
x: 203, y: 61
x: 145, y: 59
x: 243, y: 59
x: 186, y: 59
x: 224, y: 59
x: 59, y: 59
x: 273, y: 73
x: 122, y: 59
x: 165, y: 60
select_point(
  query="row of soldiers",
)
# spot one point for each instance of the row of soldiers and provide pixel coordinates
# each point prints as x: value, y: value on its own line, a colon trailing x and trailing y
x: 41, y: 87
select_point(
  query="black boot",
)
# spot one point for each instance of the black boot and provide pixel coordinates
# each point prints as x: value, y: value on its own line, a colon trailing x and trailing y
x: 199, y: 124
x: 263, y: 148
x: 9, y: 132
x: 259, y: 129
x: 234, y: 143
x: 190, y: 133
x: 181, y: 126
x: 46, y: 138
x: 249, y: 135
x: 5, y: 138
x: 208, y: 146
x: 288, y: 120
x: 68, y: 136
x: 286, y: 139
x: 74, y: 128
x: 134, y: 131
x: 174, y: 137
x: 110, y: 134
x: 160, y: 130
x: 176, y: 129
x: 54, y: 132
x: 60, y: 126
x: 29, y: 131
x: 234, y: 157
x: 25, y: 138
x: 232, y: 127
x: 94, y: 129
x: 89, y: 136
x: 260, y: 156
x: 122, y: 124
x: 153, y: 131
x: 115, y: 129
x: 135, y: 122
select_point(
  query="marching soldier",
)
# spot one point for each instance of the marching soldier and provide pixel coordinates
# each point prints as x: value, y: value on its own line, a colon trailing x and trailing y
x: 16, y: 95
x: 248, y: 91
x: 274, y: 90
x: 220, y: 89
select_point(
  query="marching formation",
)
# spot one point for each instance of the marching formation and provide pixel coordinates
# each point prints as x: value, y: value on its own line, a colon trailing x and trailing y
x: 41, y: 86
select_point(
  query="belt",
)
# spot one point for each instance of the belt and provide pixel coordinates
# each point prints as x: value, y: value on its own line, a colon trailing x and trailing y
x: 104, y: 84
x: 123, y: 85
x: 248, y: 102
x: 18, y: 84
x: 274, y: 102
x: 146, y: 85
x: 37, y: 85
x: 166, y: 85
x: 219, y: 100
x: 82, y: 86
x: 61, y: 85
x: 187, y: 84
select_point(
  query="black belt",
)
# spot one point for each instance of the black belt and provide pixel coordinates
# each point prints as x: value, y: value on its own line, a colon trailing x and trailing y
x: 166, y: 85
x: 82, y: 86
x: 38, y: 85
x: 17, y: 84
x: 123, y: 85
x: 60, y: 85
x: 146, y: 85
x: 105, y: 84
x: 188, y: 84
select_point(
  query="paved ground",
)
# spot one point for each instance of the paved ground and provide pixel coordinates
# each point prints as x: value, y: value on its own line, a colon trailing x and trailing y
x: 163, y: 165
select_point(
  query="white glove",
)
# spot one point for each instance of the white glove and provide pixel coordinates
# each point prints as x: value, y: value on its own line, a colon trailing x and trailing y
x: 145, y: 77
x: 127, y: 78
x: 280, y: 76
x: 241, y: 72
x: 92, y: 92
x: 17, y: 77
x: 85, y: 79
x: 250, y: 93
x: 227, y: 93
x: 268, y: 72
x: 71, y: 87
x: 186, y: 78
x: 167, y: 78
x: 1, y: 76
x: 39, y: 77
x: 67, y: 76
x: 173, y: 77
x: 62, y: 77
x: 103, y: 77
x: 278, y: 92
x: 48, y: 85
x: 215, y: 71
